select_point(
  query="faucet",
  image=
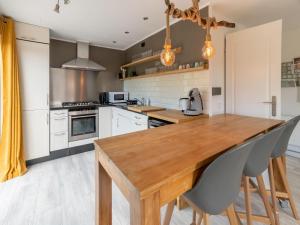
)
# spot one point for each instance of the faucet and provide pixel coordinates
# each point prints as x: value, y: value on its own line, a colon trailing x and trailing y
x: 142, y: 101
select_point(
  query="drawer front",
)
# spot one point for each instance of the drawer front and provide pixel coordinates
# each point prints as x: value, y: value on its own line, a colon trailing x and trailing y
x: 133, y: 116
x: 138, y: 126
x: 58, y: 113
x: 58, y: 124
x: 59, y: 141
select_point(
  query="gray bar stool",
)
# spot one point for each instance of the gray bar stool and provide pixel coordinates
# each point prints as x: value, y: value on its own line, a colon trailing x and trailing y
x: 277, y: 159
x: 256, y: 164
x: 218, y: 186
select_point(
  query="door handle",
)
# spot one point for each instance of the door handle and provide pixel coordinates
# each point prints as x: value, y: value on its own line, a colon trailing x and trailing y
x: 274, y: 105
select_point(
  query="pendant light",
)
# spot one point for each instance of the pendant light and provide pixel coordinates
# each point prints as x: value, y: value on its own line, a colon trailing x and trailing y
x: 167, y: 56
x: 208, y: 51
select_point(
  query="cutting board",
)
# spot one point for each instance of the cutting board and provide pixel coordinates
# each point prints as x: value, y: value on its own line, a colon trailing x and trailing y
x: 144, y: 109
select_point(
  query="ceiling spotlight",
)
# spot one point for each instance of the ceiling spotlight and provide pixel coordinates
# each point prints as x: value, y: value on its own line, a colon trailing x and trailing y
x: 126, y: 32
x: 145, y: 18
x: 114, y: 42
x: 67, y: 2
x: 56, y: 8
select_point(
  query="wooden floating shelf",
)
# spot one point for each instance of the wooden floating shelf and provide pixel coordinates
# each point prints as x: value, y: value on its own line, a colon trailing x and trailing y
x: 148, y: 59
x: 171, y: 72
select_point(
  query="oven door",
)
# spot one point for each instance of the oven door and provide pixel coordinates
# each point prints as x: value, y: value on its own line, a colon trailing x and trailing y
x: 83, y: 127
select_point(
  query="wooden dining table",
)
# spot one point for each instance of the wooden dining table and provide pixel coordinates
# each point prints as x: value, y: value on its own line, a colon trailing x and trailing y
x: 155, y: 166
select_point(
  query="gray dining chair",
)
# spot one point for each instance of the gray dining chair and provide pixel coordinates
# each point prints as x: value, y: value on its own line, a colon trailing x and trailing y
x: 218, y: 186
x: 277, y: 159
x: 256, y: 164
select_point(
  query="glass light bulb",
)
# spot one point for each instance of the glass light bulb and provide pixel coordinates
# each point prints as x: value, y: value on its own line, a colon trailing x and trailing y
x: 167, y: 56
x: 208, y: 51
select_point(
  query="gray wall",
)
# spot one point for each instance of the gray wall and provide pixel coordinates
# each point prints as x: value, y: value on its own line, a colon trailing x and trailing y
x: 62, y: 51
x: 186, y: 34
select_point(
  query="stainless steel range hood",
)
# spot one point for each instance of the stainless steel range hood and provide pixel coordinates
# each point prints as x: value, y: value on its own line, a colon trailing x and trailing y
x: 82, y: 62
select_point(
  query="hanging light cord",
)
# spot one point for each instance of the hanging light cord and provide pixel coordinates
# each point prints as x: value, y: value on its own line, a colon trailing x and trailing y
x: 193, y: 14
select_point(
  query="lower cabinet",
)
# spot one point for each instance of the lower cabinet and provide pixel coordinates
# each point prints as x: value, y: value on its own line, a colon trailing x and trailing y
x: 124, y: 122
x: 105, y: 122
x: 59, y: 130
x: 36, y: 133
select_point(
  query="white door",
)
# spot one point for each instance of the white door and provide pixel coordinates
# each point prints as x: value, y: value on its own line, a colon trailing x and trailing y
x: 253, y: 71
x: 34, y: 70
x: 36, y: 133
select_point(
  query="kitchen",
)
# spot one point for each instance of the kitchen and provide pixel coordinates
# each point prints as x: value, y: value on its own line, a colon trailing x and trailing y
x: 80, y: 96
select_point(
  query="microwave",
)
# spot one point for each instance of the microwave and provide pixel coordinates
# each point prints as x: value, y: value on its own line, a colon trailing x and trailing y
x: 118, y: 97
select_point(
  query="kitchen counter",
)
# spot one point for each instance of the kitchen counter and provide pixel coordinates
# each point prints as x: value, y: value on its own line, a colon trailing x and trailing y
x: 153, y: 167
x: 174, y: 116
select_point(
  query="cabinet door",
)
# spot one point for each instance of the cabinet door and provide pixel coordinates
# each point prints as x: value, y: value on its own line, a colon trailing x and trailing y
x: 36, y: 133
x: 34, y: 71
x: 31, y: 32
x: 105, y: 122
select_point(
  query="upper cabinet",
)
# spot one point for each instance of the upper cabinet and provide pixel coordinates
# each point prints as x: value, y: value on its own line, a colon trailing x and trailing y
x: 33, y: 33
x: 34, y: 74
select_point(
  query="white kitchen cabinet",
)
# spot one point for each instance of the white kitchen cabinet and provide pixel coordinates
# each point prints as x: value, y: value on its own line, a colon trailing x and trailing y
x: 59, y: 130
x: 34, y: 74
x: 30, y: 32
x: 36, y: 133
x: 124, y: 122
x: 33, y: 54
x: 105, y: 122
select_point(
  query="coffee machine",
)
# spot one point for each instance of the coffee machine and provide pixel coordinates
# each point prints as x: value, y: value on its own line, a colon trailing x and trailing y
x: 194, y: 104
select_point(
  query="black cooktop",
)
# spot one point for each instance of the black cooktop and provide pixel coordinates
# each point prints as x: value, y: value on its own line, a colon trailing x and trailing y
x: 83, y: 103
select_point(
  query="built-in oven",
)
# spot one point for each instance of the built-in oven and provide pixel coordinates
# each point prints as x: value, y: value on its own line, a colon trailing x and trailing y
x: 83, y: 124
x: 117, y: 97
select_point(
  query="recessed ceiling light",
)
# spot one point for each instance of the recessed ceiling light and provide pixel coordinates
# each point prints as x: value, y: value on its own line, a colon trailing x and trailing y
x: 126, y: 32
x: 114, y: 42
x: 146, y: 18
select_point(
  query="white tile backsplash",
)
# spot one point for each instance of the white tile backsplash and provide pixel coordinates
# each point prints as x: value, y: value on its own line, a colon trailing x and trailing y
x: 165, y: 91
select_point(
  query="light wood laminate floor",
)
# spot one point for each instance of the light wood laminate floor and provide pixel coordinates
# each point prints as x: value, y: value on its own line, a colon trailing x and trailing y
x: 62, y: 192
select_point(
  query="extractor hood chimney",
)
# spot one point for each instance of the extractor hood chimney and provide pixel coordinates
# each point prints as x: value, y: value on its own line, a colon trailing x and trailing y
x: 82, y: 62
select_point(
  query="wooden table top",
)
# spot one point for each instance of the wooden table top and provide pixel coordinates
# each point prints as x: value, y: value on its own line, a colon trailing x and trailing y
x: 149, y: 159
x: 173, y: 116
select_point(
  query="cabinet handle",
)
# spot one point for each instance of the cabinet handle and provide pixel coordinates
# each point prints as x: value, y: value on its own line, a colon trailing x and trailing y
x: 60, y: 134
x: 47, y: 99
x: 58, y: 114
x: 138, y: 124
x: 138, y: 118
x: 57, y: 119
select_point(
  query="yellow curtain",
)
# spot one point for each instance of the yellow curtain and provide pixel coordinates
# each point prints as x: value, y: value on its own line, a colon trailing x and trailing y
x: 12, y: 161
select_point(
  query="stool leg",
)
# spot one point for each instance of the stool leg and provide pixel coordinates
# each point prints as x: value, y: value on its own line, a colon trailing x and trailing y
x: 206, y: 219
x: 264, y: 195
x: 232, y: 215
x: 194, y: 217
x: 287, y: 187
x: 199, y: 221
x: 170, y: 209
x: 273, y: 192
x: 248, y: 200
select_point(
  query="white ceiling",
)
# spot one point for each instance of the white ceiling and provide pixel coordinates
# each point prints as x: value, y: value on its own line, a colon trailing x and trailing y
x: 101, y: 22
x: 256, y: 12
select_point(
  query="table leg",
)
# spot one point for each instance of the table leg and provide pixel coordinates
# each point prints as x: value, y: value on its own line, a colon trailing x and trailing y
x: 146, y: 211
x: 103, y: 196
